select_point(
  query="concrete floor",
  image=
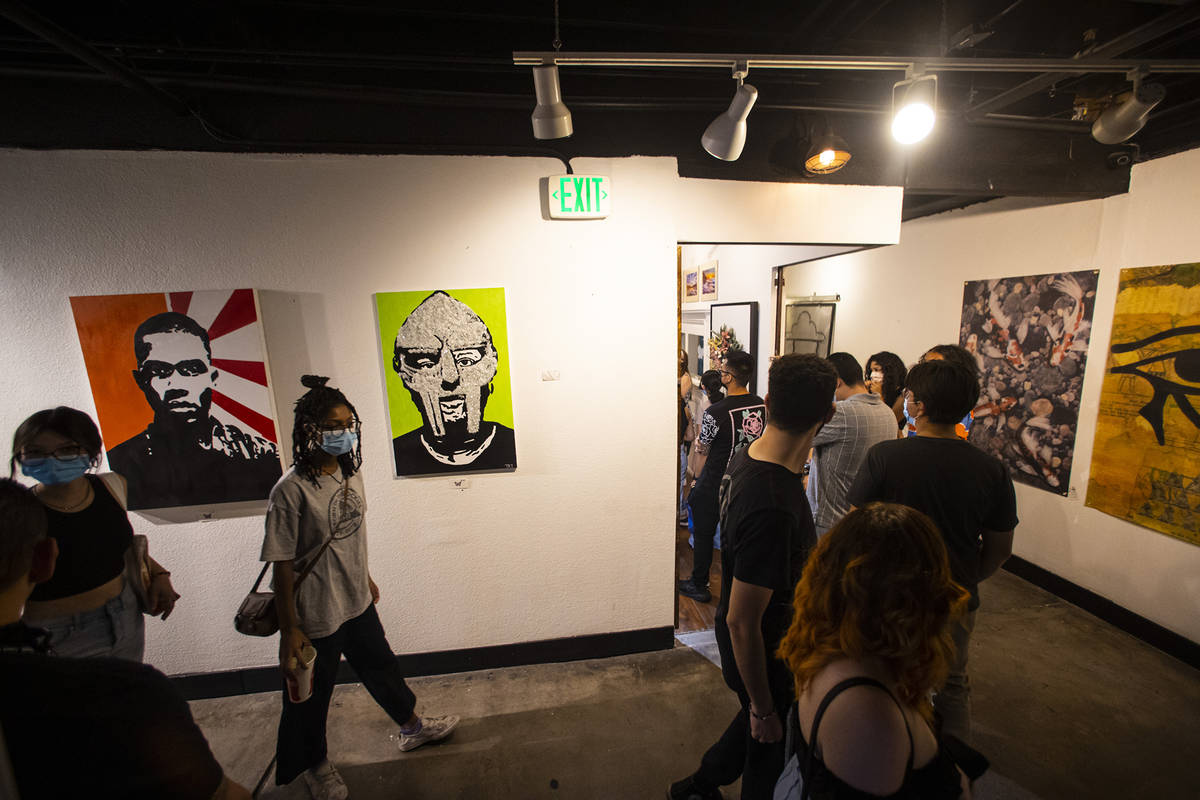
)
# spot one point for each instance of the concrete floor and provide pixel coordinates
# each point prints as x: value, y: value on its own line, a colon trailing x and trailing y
x: 1065, y: 707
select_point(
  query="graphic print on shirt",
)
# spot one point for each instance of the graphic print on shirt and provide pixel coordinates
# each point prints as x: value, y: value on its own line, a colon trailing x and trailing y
x: 748, y: 423
x: 345, y: 513
x: 708, y: 429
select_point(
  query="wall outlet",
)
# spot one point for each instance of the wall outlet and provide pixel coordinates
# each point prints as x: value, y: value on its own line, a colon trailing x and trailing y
x: 460, y: 483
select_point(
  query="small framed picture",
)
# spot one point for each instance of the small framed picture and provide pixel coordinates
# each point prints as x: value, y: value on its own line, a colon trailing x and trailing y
x: 691, y: 286
x: 708, y: 281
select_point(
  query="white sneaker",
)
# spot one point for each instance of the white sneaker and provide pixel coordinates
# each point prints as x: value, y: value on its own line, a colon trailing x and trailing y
x: 433, y: 729
x: 324, y: 782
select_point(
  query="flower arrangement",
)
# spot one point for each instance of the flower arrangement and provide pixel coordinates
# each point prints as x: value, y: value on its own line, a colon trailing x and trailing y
x: 720, y: 342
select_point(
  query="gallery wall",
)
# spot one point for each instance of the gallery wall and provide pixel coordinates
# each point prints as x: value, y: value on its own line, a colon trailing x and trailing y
x: 909, y: 297
x: 580, y: 539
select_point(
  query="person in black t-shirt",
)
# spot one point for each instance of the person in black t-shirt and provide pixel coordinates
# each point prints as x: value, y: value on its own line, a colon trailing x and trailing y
x: 967, y: 493
x: 767, y: 531
x: 726, y: 427
x: 131, y: 732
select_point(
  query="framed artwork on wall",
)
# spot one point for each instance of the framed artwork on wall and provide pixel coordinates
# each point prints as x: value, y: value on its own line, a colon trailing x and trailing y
x: 691, y: 286
x: 808, y: 328
x: 708, y: 281
x: 732, y: 326
x: 1146, y: 455
x: 1030, y: 336
x: 182, y: 395
x: 445, y: 358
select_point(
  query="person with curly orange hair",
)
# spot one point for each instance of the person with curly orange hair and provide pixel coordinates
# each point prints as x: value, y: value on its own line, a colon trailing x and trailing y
x: 869, y: 639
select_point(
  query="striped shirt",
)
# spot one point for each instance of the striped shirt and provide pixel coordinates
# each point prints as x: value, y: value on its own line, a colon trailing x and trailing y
x: 859, y: 422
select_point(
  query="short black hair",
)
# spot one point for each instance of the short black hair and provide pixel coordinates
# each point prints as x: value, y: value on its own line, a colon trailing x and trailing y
x: 956, y: 355
x: 799, y: 391
x: 167, y: 322
x: 22, y: 526
x: 847, y: 368
x: 741, y: 364
x: 948, y: 389
x: 67, y: 422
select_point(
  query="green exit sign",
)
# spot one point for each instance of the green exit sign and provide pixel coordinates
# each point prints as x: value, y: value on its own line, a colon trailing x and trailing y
x: 579, y: 196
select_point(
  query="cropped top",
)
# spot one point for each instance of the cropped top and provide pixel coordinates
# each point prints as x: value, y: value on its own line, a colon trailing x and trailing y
x: 936, y: 780
x: 91, y: 545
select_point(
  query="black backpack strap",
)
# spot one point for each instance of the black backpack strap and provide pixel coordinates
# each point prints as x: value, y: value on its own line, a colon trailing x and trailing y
x: 849, y: 683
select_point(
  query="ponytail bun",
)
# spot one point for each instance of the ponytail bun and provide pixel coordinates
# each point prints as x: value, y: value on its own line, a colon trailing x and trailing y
x: 314, y: 381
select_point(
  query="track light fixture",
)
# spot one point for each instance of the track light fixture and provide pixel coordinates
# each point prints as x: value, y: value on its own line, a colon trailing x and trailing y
x: 827, y: 153
x: 551, y: 118
x: 914, y: 104
x: 1121, y: 121
x: 725, y: 136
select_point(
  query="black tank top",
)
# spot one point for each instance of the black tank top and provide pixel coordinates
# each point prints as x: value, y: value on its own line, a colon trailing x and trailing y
x: 934, y: 781
x: 91, y: 545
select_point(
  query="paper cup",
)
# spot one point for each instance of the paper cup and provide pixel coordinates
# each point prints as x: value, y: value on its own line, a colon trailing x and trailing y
x: 300, y: 685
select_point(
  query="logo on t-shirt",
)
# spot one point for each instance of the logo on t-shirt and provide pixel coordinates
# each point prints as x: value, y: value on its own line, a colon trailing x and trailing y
x: 345, y: 513
x: 748, y: 423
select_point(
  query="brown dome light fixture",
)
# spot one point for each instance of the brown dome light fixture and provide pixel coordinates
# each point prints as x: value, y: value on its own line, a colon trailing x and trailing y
x: 828, y: 153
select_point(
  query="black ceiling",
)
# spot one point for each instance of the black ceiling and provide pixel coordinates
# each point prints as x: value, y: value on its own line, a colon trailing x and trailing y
x: 385, y: 77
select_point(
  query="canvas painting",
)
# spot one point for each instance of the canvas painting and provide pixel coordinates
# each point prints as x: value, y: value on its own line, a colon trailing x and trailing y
x: 708, y: 281
x: 691, y: 286
x: 732, y: 326
x: 1030, y: 337
x: 1146, y: 457
x: 182, y: 395
x: 445, y: 355
x: 808, y: 328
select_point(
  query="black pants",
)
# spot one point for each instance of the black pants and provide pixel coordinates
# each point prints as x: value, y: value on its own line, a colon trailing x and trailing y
x: 704, y: 503
x: 301, y: 743
x: 737, y: 754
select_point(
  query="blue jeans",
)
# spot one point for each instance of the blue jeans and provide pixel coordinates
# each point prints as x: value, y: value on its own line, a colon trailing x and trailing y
x: 114, y: 630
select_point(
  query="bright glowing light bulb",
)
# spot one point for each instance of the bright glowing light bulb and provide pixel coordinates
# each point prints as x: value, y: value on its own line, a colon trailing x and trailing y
x: 826, y: 157
x: 912, y: 123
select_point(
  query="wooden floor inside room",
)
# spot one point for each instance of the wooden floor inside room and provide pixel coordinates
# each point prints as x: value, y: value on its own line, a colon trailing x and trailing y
x: 694, y: 616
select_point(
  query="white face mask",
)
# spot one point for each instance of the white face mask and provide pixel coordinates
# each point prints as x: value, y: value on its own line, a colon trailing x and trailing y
x: 876, y: 376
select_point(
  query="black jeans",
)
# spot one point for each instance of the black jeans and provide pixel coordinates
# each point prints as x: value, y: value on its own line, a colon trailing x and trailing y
x: 704, y: 503
x: 736, y: 753
x: 301, y: 743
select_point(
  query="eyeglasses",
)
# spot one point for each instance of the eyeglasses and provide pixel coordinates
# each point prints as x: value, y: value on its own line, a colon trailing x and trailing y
x: 353, y: 427
x: 161, y: 369
x: 67, y: 452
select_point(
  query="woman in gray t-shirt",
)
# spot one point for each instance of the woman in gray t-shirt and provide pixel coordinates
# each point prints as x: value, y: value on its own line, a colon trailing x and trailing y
x: 317, y: 515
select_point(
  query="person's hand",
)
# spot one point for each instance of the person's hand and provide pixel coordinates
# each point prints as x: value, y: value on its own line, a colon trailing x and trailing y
x: 291, y: 642
x: 766, y: 730
x: 374, y: 590
x: 161, y: 595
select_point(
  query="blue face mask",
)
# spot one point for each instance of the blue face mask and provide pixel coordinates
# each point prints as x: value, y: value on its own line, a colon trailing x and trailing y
x: 909, y: 418
x: 51, y: 471
x: 338, y: 443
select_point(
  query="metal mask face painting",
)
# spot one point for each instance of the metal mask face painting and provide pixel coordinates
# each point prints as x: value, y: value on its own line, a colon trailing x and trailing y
x: 445, y: 356
x: 448, y: 357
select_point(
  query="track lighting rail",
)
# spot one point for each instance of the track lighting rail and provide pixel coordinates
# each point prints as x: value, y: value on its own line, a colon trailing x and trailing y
x: 875, y: 63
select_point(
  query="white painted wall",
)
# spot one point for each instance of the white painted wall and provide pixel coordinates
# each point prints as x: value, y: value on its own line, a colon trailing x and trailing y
x: 908, y: 297
x: 580, y: 539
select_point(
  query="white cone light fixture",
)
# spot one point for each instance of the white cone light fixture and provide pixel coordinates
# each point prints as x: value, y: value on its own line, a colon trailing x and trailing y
x: 1122, y: 121
x: 913, y: 108
x: 551, y: 118
x: 725, y: 136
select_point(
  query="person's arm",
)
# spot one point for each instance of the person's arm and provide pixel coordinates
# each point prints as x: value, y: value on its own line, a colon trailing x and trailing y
x: 708, y: 433
x: 291, y: 639
x: 685, y: 386
x: 995, y: 550
x: 868, y: 483
x: 161, y: 595
x: 747, y: 604
x: 863, y: 741
x: 832, y: 431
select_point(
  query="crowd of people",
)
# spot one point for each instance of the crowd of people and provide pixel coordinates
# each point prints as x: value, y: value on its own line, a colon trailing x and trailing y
x: 851, y: 559
x: 72, y: 635
x: 847, y: 597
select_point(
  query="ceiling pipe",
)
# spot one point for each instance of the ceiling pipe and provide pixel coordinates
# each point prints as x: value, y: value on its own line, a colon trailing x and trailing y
x: 69, y: 43
x: 1137, y: 37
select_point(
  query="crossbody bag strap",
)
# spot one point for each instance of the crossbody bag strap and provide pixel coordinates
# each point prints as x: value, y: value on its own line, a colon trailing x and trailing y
x: 849, y: 683
x: 303, y: 573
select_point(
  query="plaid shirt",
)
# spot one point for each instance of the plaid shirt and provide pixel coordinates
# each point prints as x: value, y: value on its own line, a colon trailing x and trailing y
x: 859, y: 422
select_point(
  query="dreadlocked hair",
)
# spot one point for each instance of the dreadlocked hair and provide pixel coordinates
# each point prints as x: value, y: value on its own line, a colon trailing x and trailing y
x: 311, y: 409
